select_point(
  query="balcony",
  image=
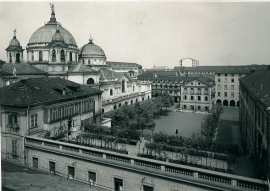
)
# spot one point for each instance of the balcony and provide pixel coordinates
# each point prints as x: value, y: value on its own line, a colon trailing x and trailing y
x: 14, y: 129
x: 162, y: 169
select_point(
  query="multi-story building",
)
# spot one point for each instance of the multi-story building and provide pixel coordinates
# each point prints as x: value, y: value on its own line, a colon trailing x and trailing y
x: 35, y: 105
x: 197, y: 94
x: 255, y: 116
x: 227, y: 83
x: 125, y: 67
x: 189, y: 62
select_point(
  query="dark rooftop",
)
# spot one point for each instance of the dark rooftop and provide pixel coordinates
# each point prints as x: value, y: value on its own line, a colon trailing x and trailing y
x: 22, y: 68
x: 43, y: 90
x: 117, y: 64
x: 258, y: 83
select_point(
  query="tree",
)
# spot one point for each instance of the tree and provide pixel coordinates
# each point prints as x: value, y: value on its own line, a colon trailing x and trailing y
x: 167, y: 100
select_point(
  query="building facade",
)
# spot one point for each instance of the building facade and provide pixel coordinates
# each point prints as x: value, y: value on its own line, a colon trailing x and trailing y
x: 254, y: 113
x: 36, y: 105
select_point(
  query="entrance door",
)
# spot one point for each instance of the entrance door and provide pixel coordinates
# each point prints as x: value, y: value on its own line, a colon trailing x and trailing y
x: 69, y: 126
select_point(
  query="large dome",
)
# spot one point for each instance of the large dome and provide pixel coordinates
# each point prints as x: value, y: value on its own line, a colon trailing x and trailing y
x: 44, y: 35
x: 91, y: 49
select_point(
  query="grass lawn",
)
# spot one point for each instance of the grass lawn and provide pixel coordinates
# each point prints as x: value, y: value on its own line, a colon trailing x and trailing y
x: 185, y: 122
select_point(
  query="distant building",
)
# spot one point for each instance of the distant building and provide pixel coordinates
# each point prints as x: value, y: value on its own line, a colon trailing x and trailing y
x: 188, y: 62
x: 254, y: 113
x: 161, y: 67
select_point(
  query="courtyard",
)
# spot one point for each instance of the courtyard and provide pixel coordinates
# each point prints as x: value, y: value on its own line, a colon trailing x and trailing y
x: 186, y: 122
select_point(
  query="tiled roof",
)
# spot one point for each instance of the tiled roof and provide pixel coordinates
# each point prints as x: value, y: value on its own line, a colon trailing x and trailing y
x: 125, y: 64
x: 22, y: 68
x: 246, y: 69
x: 258, y: 83
x: 159, y: 73
x: 201, y: 68
x: 80, y: 68
x: 109, y: 75
x: 43, y: 90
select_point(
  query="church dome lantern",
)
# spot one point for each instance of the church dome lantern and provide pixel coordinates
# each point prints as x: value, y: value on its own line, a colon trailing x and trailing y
x: 14, y: 50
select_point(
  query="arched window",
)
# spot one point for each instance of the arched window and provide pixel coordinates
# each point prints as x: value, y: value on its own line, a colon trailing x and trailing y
x: 126, y: 103
x: 70, y: 56
x: 88, y: 61
x: 115, y: 107
x: 90, y: 81
x: 10, y: 57
x: 18, y: 57
x: 40, y: 56
x: 63, y: 59
x: 111, y: 92
x: 32, y: 56
x: 123, y: 86
x: 53, y: 56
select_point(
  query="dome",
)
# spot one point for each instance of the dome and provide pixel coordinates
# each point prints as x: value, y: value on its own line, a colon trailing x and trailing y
x: 91, y: 49
x: 58, y: 37
x: 14, y: 42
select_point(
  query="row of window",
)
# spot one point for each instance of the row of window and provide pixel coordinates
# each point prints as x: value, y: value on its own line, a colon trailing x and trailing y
x: 198, y: 98
x: 225, y: 94
x: 225, y: 87
x: 232, y: 75
x: 62, y: 56
x: 225, y: 80
x: 198, y: 91
x: 92, y: 176
x: 192, y: 107
x: 68, y: 110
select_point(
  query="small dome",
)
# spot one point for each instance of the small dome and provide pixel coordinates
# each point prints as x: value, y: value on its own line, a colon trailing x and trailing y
x: 14, y: 42
x: 58, y: 37
x: 91, y: 49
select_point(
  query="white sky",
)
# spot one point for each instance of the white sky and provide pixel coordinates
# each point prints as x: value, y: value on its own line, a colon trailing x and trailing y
x: 149, y: 33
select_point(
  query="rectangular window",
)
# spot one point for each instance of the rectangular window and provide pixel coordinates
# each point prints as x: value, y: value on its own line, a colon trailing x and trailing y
x: 185, y: 90
x: 218, y: 74
x: 225, y: 87
x: 71, y: 172
x: 52, y: 167
x: 232, y: 94
x: 12, y: 120
x: 92, y: 177
x: 218, y: 94
x: 14, y: 149
x: 191, y: 97
x: 225, y: 74
x: 34, y: 120
x: 118, y: 184
x: 218, y: 80
x: 225, y: 94
x: 218, y: 87
x: 225, y: 80
x: 185, y: 97
x: 232, y: 80
x: 35, y: 162
x: 206, y: 98
x: 232, y: 87
x: 199, y: 98
x: 148, y: 188
x: 206, y: 108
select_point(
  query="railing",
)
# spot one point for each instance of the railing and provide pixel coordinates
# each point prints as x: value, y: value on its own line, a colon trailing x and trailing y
x: 13, y: 129
x: 159, y: 168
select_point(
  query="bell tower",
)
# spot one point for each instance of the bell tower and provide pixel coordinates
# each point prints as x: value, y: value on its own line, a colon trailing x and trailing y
x: 14, y: 50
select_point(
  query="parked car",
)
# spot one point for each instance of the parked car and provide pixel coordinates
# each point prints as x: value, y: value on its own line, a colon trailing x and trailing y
x: 179, y: 110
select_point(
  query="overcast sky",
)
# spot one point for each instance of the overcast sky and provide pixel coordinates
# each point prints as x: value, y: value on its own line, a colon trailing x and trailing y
x: 149, y: 33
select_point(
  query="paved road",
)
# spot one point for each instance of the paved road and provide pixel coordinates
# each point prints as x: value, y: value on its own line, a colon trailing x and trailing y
x: 16, y: 177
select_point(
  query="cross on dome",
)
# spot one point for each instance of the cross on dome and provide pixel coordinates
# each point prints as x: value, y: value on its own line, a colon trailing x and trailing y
x: 15, y: 31
x: 52, y: 7
x: 90, y: 40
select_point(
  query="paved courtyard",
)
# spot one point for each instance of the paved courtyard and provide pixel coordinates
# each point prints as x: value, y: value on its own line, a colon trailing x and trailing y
x: 185, y: 122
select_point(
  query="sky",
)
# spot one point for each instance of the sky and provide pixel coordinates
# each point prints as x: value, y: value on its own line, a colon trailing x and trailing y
x: 154, y: 32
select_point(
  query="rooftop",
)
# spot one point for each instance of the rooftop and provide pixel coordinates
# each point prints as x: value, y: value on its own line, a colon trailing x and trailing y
x: 43, y: 90
x: 117, y: 64
x: 258, y: 83
x: 22, y: 69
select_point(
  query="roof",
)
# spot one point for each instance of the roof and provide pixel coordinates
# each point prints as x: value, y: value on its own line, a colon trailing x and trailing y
x: 90, y: 49
x: 258, y: 83
x: 245, y: 69
x: 125, y: 64
x: 43, y: 90
x: 159, y: 73
x: 201, y: 68
x: 80, y: 68
x: 22, y: 68
x: 109, y: 75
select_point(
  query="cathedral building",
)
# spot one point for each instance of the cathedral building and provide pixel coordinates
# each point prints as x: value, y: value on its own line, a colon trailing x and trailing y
x: 53, y: 49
